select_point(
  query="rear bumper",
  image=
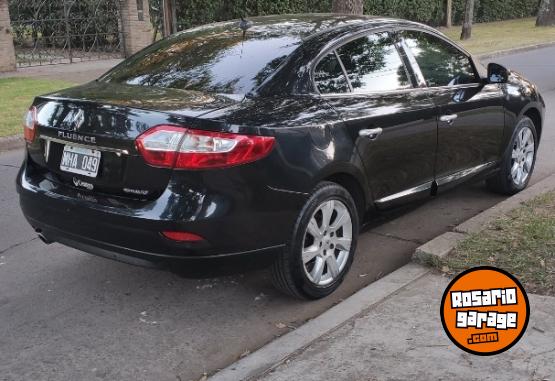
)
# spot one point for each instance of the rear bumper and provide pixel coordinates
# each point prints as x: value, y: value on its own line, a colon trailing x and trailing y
x: 232, y: 223
x: 143, y: 258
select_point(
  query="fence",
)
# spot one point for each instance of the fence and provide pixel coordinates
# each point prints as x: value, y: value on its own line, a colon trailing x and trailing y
x: 65, y: 31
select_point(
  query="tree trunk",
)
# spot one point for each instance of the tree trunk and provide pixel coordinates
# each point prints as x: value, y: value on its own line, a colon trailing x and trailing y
x: 468, y: 17
x: 546, y: 14
x: 169, y: 22
x: 348, y: 6
x: 449, y: 14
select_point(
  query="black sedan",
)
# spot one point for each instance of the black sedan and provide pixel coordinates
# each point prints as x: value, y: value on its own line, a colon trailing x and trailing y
x: 271, y: 137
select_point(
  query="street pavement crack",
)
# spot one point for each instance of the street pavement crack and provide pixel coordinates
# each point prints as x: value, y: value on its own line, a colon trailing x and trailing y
x: 416, y: 241
x: 17, y: 245
x: 9, y: 166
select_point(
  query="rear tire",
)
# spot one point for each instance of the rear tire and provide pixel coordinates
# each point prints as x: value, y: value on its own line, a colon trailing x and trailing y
x: 321, y: 250
x: 518, y: 161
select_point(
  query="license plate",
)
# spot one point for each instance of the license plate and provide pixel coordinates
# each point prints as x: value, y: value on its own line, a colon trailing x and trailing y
x: 83, y: 161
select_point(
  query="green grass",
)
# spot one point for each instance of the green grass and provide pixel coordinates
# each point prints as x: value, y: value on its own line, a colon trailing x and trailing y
x: 16, y: 95
x: 503, y: 35
x: 522, y: 242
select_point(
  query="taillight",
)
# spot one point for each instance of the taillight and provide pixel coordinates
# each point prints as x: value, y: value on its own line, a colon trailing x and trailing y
x: 184, y: 148
x: 30, y: 124
x: 182, y: 236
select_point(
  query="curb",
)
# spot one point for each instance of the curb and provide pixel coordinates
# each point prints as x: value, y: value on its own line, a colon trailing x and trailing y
x: 281, y: 349
x: 521, y: 49
x: 9, y: 143
x: 432, y: 252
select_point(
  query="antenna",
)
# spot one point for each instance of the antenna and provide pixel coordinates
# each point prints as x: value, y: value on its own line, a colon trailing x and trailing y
x: 245, y: 24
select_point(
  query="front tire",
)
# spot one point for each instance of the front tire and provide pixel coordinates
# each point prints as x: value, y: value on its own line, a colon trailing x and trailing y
x: 322, y: 247
x: 518, y: 161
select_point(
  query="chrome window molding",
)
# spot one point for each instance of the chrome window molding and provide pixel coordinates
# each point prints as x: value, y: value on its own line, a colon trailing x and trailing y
x: 403, y: 91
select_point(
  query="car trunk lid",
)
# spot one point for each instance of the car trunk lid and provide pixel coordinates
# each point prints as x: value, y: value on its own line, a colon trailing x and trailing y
x: 86, y: 135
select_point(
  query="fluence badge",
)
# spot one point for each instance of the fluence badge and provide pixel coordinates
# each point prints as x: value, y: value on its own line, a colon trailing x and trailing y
x: 485, y: 311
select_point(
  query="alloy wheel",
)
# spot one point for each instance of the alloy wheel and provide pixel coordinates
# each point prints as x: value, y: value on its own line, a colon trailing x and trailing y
x: 327, y: 242
x: 522, y: 158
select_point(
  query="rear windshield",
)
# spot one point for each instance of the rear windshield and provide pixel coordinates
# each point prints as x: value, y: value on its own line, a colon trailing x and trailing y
x: 221, y: 59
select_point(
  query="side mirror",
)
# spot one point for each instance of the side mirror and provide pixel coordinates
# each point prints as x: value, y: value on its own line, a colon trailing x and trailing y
x: 497, y: 73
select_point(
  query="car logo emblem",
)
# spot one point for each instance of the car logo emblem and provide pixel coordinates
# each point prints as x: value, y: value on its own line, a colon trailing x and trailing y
x: 78, y: 120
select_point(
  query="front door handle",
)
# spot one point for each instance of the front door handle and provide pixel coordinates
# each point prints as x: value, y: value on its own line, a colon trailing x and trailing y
x: 449, y: 119
x: 372, y: 134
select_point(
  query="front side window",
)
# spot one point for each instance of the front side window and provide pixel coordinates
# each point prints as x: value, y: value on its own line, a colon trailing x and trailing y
x: 441, y: 63
x: 329, y: 76
x: 373, y: 64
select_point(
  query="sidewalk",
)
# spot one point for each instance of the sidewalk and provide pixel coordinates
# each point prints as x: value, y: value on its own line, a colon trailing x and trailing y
x: 391, y: 329
x: 402, y: 339
x: 80, y: 72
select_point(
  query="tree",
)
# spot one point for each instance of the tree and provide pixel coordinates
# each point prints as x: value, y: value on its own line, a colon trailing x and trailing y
x: 546, y: 14
x: 348, y: 6
x: 169, y: 17
x: 449, y: 14
x: 468, y: 17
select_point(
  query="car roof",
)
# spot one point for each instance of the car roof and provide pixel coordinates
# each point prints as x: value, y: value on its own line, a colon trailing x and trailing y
x: 301, y: 26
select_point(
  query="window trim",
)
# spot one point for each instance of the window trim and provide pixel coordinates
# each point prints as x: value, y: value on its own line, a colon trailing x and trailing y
x: 343, y: 71
x: 345, y: 74
x: 418, y: 71
x: 333, y: 46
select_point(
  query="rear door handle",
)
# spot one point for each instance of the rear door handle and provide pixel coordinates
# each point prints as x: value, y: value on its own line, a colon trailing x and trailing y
x: 372, y: 134
x: 449, y: 119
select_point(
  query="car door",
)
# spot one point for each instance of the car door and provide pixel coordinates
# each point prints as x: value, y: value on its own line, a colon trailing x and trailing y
x: 471, y: 112
x: 392, y: 124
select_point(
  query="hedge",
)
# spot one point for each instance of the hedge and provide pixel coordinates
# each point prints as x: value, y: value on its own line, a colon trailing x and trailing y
x: 196, y: 12
x: 433, y: 11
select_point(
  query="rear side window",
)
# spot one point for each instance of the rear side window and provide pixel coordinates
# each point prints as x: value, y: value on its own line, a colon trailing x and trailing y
x: 329, y: 76
x: 441, y: 63
x: 373, y: 64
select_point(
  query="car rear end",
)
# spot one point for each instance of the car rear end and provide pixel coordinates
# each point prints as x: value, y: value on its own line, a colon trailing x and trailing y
x: 142, y: 164
x: 135, y: 184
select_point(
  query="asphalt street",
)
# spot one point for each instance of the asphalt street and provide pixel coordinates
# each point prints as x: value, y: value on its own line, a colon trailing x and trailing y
x: 67, y: 315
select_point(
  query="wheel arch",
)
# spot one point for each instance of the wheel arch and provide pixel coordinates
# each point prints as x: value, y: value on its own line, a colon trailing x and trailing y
x: 536, y: 116
x: 353, y: 181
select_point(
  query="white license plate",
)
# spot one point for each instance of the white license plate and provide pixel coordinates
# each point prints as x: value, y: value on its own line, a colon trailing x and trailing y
x: 83, y: 161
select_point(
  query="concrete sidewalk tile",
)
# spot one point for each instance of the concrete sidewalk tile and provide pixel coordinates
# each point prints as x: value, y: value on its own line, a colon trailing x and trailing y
x: 403, y: 339
x: 438, y: 248
x: 280, y: 349
x: 480, y: 222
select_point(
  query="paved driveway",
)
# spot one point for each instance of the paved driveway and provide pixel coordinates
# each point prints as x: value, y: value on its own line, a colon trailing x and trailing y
x: 69, y: 315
